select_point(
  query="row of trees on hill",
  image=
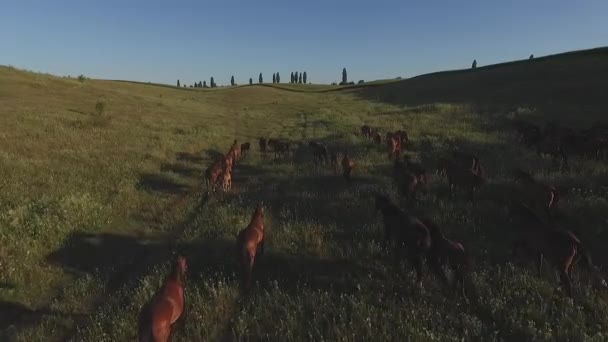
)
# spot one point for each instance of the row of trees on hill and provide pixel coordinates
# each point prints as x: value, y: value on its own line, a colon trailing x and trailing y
x: 201, y: 84
x: 296, y: 77
x: 299, y: 77
x: 276, y: 78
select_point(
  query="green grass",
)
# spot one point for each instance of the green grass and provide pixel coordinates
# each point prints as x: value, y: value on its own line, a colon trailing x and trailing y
x: 94, y: 203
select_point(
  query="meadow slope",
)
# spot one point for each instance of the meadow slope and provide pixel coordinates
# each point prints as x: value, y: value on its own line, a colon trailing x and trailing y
x: 94, y: 204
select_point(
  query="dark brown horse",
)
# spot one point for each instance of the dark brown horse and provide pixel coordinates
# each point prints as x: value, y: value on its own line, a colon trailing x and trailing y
x: 319, y: 151
x: 460, y: 177
x: 445, y: 252
x: 245, y: 148
x: 560, y: 246
x: 165, y: 307
x: 262, y: 142
x: 410, y: 236
x: 333, y: 159
x: 347, y: 166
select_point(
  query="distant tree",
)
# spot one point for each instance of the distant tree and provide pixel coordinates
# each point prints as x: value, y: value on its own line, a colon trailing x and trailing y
x: 291, y: 77
x: 212, y: 83
x: 296, y: 77
x: 474, y: 65
x: 300, y: 81
x: 334, y: 84
x: 178, y: 83
x: 205, y: 84
x: 304, y: 77
x: 191, y: 86
x: 260, y: 79
x: 250, y: 81
x: 274, y: 78
x: 232, y: 81
x: 344, y: 76
x: 531, y: 57
x: 278, y: 78
x: 361, y: 82
x: 200, y: 84
x: 184, y: 86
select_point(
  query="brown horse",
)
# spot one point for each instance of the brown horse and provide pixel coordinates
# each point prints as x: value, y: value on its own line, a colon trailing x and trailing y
x: 445, y: 252
x: 263, y: 142
x: 366, y: 131
x: 245, y: 148
x: 415, y: 168
x: 229, y: 160
x: 347, y: 166
x: 249, y: 241
x: 319, y: 152
x: 212, y: 175
x: 227, y: 179
x: 394, y: 147
x: 333, y: 159
x: 560, y: 246
x: 410, y: 235
x: 236, y: 150
x: 165, y: 307
x: 407, y: 181
x: 538, y: 193
x: 461, y: 177
x: 377, y: 137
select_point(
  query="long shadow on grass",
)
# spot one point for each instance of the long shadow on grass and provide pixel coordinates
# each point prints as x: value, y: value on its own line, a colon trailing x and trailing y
x: 181, y: 169
x: 161, y: 183
x: 12, y: 313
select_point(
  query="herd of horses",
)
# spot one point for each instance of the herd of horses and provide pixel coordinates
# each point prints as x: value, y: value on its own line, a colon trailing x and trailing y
x: 416, y: 238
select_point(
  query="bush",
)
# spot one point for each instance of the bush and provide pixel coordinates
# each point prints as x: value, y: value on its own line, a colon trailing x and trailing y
x: 82, y: 78
x: 100, y: 107
x: 361, y: 82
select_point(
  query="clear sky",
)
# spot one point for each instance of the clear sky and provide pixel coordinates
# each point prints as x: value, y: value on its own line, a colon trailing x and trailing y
x: 162, y: 41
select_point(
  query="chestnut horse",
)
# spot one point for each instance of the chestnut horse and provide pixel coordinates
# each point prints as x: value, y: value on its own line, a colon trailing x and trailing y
x: 249, y: 241
x: 227, y: 179
x: 165, y: 307
x: 212, y: 175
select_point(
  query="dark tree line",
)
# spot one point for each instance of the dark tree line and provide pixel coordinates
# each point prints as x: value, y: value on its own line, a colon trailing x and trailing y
x: 299, y: 77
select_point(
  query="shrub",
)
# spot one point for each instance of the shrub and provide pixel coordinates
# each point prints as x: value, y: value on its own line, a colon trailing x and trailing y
x: 361, y: 82
x: 100, y: 107
x: 82, y: 78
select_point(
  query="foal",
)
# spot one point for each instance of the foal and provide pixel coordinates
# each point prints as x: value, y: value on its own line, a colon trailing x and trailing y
x: 167, y: 305
x: 248, y: 242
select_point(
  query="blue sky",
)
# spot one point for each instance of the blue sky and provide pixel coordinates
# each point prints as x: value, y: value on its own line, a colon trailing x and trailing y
x: 161, y: 41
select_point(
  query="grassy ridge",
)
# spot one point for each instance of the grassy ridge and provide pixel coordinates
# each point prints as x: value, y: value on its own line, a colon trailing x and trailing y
x: 94, y: 204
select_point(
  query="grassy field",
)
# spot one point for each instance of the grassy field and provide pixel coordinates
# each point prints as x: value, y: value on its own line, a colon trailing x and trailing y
x: 95, y: 203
